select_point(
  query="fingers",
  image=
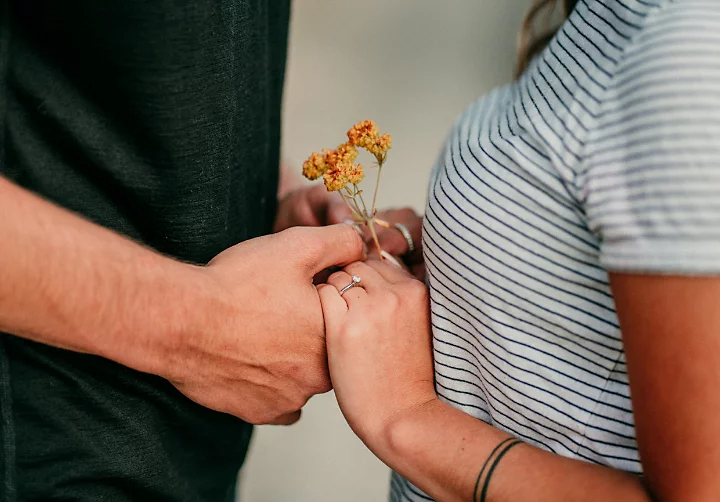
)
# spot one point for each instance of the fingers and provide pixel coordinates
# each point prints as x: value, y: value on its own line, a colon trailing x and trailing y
x: 379, y: 272
x: 334, y: 306
x: 340, y: 280
x: 287, y: 419
x: 391, y: 239
x: 371, y: 279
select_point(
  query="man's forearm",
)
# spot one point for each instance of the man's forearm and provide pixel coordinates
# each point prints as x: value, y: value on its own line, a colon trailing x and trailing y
x: 70, y: 283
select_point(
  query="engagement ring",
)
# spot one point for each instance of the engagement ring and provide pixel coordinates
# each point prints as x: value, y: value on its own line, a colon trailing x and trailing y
x: 355, y: 281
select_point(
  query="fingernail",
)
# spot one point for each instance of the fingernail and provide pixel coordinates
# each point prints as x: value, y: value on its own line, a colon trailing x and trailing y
x: 360, y: 233
x: 353, y: 224
x: 390, y: 258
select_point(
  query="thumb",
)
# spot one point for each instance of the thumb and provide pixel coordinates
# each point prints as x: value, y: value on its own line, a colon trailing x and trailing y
x: 335, y: 245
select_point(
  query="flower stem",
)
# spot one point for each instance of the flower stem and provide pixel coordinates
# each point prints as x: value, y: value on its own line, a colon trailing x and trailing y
x: 377, y: 186
x: 354, y: 210
x: 362, y: 201
x: 371, y: 226
x: 351, y: 197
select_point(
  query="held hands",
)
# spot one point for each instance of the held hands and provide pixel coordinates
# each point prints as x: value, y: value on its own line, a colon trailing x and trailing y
x: 379, y: 346
x: 259, y: 351
x: 315, y: 206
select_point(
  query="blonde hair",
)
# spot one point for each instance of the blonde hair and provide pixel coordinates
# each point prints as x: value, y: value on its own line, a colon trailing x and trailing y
x: 531, y: 41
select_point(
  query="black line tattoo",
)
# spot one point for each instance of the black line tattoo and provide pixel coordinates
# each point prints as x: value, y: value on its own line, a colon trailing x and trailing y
x: 487, y: 461
x: 486, y: 484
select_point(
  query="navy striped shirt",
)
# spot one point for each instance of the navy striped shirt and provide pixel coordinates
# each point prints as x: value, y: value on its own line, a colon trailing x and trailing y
x: 604, y: 156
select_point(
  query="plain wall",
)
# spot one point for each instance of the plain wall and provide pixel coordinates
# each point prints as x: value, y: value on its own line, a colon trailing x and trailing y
x: 412, y: 66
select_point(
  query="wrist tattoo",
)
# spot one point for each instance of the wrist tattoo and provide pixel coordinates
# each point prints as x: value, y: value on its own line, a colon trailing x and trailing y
x: 480, y: 494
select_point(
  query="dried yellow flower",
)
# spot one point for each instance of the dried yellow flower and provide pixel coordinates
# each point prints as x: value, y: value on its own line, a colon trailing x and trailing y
x: 335, y: 179
x: 331, y: 157
x: 363, y: 134
x: 356, y: 174
x: 381, y: 146
x: 315, y: 166
x: 340, y: 166
x: 346, y: 153
x: 338, y: 169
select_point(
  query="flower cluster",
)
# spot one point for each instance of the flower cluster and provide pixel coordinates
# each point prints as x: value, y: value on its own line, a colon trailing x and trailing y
x: 365, y: 135
x: 337, y: 167
x: 315, y: 166
x: 341, y: 174
x: 341, y: 167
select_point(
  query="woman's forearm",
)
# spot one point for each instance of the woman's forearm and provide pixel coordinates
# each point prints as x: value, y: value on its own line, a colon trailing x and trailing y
x: 442, y: 450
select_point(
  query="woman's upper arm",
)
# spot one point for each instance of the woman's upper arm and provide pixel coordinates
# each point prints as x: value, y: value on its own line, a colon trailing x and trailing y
x: 671, y: 333
x: 651, y: 187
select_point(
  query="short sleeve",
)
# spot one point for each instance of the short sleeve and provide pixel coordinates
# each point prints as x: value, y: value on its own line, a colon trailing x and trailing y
x: 650, y: 179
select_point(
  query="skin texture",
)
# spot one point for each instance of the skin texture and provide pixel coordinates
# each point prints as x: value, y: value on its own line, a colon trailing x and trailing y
x: 380, y: 361
x: 212, y: 331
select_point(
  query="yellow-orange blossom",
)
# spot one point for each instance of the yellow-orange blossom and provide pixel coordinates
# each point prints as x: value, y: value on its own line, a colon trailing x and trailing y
x: 337, y: 167
x: 341, y: 174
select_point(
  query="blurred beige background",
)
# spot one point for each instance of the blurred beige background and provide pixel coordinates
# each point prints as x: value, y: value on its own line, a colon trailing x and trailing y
x: 412, y: 66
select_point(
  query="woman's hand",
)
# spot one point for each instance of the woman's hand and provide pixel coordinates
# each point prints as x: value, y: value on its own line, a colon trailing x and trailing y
x: 392, y: 240
x: 379, y: 346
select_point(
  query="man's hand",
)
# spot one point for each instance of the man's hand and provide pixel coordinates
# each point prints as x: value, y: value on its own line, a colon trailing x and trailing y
x: 262, y: 354
x: 243, y: 335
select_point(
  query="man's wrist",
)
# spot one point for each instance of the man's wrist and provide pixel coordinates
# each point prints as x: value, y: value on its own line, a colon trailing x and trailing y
x: 167, y: 307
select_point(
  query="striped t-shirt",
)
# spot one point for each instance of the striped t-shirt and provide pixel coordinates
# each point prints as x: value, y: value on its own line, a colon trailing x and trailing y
x: 604, y: 156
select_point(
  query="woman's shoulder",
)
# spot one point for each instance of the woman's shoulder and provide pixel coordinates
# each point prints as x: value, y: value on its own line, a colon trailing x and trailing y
x: 675, y: 52
x: 678, y: 22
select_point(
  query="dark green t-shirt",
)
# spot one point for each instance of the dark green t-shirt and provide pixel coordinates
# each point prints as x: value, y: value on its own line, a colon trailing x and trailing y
x: 159, y: 119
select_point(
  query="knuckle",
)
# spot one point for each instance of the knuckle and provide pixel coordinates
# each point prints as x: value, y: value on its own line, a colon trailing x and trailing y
x: 416, y: 287
x: 258, y: 418
x: 323, y: 386
x: 297, y: 402
x: 320, y: 384
x: 416, y: 291
x: 391, y: 301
